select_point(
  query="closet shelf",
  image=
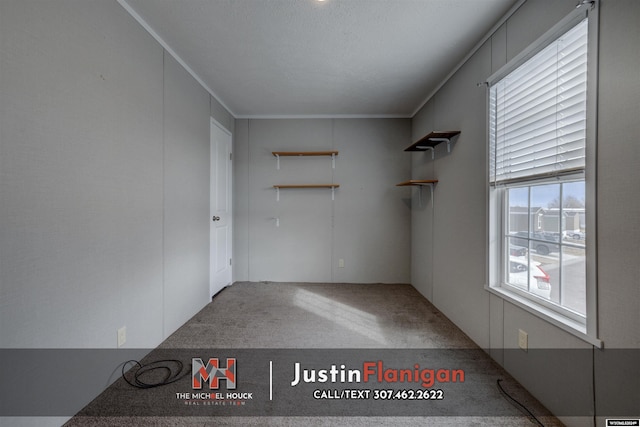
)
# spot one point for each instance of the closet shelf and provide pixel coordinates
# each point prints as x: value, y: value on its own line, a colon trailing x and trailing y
x: 434, y: 138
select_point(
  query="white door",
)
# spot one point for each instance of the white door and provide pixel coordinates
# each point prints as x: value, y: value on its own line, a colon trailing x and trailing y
x: 220, y: 209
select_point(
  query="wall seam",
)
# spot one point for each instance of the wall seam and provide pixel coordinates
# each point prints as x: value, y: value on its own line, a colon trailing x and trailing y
x: 333, y: 209
x: 248, y: 200
x: 433, y: 209
x: 164, y: 206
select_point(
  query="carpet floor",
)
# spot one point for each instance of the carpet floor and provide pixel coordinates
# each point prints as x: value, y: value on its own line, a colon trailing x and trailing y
x: 319, y: 322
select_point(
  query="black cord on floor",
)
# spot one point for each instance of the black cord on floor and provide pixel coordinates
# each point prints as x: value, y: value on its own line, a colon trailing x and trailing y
x: 165, y: 365
x: 520, y: 405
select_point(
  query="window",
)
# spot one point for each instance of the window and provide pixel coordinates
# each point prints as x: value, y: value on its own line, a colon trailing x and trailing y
x: 538, y: 143
x: 541, y: 224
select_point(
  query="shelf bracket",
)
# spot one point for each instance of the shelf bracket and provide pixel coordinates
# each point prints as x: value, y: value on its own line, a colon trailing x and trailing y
x: 333, y: 193
x: 333, y: 160
x: 277, y: 161
x: 277, y: 194
x: 447, y: 140
x: 430, y: 193
x: 420, y: 183
x: 433, y: 150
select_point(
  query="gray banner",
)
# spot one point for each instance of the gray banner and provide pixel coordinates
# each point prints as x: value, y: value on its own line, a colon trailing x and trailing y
x: 292, y: 382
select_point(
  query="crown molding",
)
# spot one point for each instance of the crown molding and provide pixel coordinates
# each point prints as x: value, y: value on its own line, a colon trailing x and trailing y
x: 322, y: 116
x: 126, y: 6
x: 477, y: 47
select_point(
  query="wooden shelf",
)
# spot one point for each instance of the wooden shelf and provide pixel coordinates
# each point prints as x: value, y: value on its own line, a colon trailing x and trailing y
x: 304, y: 153
x: 417, y: 182
x: 420, y: 183
x: 331, y: 153
x: 306, y: 186
x: 434, y: 138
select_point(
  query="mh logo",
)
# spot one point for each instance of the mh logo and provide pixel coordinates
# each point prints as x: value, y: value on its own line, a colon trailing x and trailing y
x: 212, y: 372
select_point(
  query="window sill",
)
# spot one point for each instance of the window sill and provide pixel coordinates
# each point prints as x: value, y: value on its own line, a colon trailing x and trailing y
x: 568, y: 325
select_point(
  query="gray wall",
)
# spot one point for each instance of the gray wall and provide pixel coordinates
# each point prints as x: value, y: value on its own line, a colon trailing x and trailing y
x: 368, y: 223
x: 81, y: 176
x: 104, y: 180
x: 186, y: 196
x: 454, y: 227
x: 221, y: 115
x: 618, y: 208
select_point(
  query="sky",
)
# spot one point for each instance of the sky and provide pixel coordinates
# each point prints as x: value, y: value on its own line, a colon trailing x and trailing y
x: 541, y: 195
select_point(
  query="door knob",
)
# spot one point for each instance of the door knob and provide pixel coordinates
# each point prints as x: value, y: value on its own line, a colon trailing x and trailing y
x: 216, y: 218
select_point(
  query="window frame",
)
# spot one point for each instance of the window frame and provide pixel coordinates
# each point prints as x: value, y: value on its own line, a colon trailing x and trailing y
x: 497, y: 215
x: 574, y: 317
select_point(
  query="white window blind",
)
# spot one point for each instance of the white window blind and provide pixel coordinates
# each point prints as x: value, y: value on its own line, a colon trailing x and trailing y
x: 538, y: 112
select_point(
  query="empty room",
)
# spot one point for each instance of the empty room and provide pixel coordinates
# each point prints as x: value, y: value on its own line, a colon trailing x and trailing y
x: 319, y: 212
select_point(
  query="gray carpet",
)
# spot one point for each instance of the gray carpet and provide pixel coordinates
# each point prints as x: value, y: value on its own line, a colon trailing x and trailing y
x: 303, y: 316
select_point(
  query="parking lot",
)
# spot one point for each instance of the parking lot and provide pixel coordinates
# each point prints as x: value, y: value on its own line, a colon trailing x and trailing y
x: 570, y: 291
x: 567, y: 282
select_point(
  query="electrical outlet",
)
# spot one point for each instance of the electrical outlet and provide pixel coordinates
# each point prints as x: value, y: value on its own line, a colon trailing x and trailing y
x: 341, y: 263
x: 523, y: 340
x: 122, y: 336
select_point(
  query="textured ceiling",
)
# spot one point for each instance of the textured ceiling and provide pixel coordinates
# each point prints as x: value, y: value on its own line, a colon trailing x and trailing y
x: 265, y: 58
